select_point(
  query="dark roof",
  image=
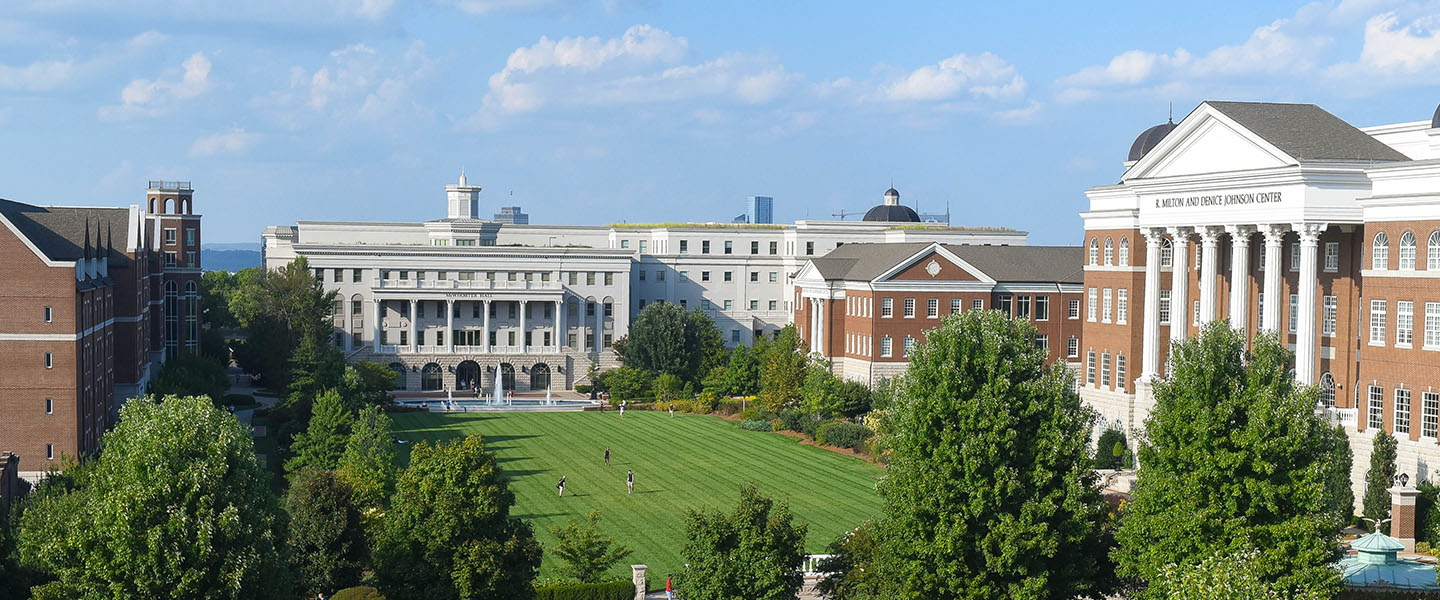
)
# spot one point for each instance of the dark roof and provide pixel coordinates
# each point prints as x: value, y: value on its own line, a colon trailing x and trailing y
x: 897, y: 213
x: 1307, y: 132
x: 1148, y: 139
x: 59, y: 231
x: 1435, y: 120
x: 892, y: 192
x: 1015, y: 264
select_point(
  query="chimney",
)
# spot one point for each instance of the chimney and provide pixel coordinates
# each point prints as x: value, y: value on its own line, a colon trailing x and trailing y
x: 1402, y: 511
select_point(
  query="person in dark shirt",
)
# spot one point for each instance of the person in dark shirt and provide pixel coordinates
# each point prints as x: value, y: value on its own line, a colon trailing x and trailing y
x: 607, y: 456
x: 561, y: 486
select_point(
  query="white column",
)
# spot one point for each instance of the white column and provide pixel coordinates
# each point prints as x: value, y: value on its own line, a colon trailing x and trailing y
x: 1210, y: 268
x: 814, y: 321
x: 1274, y: 242
x: 413, y: 315
x: 1150, y: 343
x: 375, y: 329
x: 523, y: 346
x: 599, y: 324
x: 1305, y: 341
x: 450, y: 325
x: 1179, y: 284
x: 820, y: 331
x: 485, y: 335
x: 557, y: 325
x: 1240, y: 275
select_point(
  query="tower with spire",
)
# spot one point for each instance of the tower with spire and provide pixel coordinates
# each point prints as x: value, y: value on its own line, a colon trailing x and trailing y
x: 462, y: 200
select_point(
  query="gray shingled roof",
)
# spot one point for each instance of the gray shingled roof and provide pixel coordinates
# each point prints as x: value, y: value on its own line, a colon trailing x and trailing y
x: 1306, y: 131
x: 1012, y: 264
x: 59, y: 232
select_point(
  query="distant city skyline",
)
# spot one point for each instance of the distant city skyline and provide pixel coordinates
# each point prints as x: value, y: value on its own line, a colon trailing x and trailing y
x: 597, y: 112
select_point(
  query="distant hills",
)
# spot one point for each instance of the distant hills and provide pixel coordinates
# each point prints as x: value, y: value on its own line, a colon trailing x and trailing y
x: 230, y: 257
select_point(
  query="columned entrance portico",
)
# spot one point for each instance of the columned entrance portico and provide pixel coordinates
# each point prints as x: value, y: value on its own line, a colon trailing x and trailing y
x: 1239, y: 275
x: 1150, y: 343
x: 1305, y: 331
x: 1209, y: 272
x: 1179, y: 283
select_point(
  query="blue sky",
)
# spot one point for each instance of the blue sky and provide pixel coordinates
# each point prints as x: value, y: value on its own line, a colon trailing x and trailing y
x: 596, y: 112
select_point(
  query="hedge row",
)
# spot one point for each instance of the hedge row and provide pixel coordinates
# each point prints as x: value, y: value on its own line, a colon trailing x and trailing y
x: 612, y: 590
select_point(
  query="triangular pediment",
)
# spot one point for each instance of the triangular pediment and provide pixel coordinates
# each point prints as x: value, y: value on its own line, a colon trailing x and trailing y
x: 933, y: 264
x: 1208, y: 142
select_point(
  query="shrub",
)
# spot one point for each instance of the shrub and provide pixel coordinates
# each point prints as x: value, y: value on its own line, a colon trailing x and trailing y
x: 777, y: 425
x: 239, y: 399
x: 801, y: 422
x: 843, y: 434
x: 612, y: 590
x: 363, y: 592
x: 1106, y: 455
x: 583, y: 388
x: 727, y: 406
x: 755, y: 425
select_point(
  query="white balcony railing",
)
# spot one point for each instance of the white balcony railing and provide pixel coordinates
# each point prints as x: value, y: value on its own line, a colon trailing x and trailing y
x: 1347, y: 417
x: 811, y: 566
x: 474, y: 284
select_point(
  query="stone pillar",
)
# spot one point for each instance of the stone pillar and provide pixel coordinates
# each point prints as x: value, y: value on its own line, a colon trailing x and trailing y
x: 413, y: 314
x: 637, y: 576
x: 599, y: 325
x: 485, y: 335
x: 1150, y: 343
x: 523, y: 348
x: 450, y: 325
x: 1274, y: 242
x: 1240, y: 275
x: 1179, y: 283
x: 558, y: 325
x: 1305, y: 340
x: 375, y: 331
x: 1402, y: 514
x: 1209, y: 270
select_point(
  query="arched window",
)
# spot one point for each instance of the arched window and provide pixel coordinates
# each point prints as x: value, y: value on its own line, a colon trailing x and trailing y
x: 1109, y: 252
x: 399, y: 370
x: 192, y: 317
x: 507, y: 376
x: 1124, y: 252
x: 1327, y: 390
x: 1407, y: 252
x: 1094, y: 251
x: 539, y: 376
x: 1432, y: 253
x: 1167, y: 253
x: 431, y: 377
x: 1380, y: 252
x: 172, y: 318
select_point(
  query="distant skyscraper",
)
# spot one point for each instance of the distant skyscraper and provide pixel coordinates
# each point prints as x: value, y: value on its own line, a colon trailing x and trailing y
x: 760, y: 209
x: 511, y: 215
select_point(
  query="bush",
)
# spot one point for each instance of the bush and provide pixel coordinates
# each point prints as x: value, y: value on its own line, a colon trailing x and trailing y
x: 843, y: 434
x: 727, y: 406
x: 755, y: 425
x: 1111, y: 450
x: 583, y: 388
x: 363, y: 592
x: 613, y: 590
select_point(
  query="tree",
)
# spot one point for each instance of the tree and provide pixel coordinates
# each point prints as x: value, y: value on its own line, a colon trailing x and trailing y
x: 666, y: 339
x: 321, y: 445
x: 176, y: 506
x: 742, y: 374
x: 368, y: 463
x: 280, y: 309
x: 1226, y: 577
x: 851, y: 570
x: 783, y: 370
x: 191, y: 375
x: 1234, y: 457
x: 1379, y: 479
x: 1110, y: 450
x: 588, y: 553
x: 990, y: 491
x: 626, y: 383
x: 754, y: 552
x: 367, y: 383
x: 668, y: 387
x: 327, y: 538
x: 449, y: 534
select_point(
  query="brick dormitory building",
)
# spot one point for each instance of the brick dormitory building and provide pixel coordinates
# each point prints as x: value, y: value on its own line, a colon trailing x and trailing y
x: 95, y: 298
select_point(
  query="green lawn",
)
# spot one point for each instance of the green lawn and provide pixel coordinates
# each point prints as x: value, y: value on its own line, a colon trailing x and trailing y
x: 679, y: 463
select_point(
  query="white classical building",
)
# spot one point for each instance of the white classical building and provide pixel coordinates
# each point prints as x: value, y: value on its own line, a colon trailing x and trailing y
x: 453, y: 302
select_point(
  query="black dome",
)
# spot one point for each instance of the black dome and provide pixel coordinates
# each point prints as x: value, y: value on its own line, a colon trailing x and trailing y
x: 1435, y: 120
x: 892, y: 213
x: 892, y: 192
x: 1149, y: 139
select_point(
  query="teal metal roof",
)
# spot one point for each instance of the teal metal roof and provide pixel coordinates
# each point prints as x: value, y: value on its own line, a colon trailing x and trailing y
x: 1374, y: 565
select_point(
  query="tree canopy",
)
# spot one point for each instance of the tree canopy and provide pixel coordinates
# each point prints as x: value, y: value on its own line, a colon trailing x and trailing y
x: 588, y: 553
x: 1376, y: 503
x: 754, y: 552
x: 368, y: 462
x: 327, y: 538
x: 1234, y: 457
x: 667, y: 339
x: 321, y: 445
x: 990, y: 492
x: 782, y: 370
x: 279, y: 309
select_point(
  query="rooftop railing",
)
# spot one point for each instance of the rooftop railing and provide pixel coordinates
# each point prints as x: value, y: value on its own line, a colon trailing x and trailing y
x: 170, y: 186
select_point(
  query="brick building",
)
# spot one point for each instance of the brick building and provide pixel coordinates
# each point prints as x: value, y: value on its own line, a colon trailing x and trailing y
x: 93, y: 299
x: 1279, y: 217
x: 865, y: 306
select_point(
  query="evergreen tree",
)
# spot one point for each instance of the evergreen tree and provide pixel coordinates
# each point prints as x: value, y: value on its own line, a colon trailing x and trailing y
x: 990, y: 492
x: 368, y: 463
x: 326, y: 535
x: 742, y: 374
x: 588, y: 553
x: 782, y: 372
x: 448, y: 534
x: 321, y: 445
x: 753, y: 553
x: 1380, y: 478
x: 1234, y: 457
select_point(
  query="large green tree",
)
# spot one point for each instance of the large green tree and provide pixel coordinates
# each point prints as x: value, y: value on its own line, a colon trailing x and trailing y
x: 782, y: 370
x: 990, y: 492
x: 449, y: 535
x: 1234, y: 457
x: 322, y: 443
x: 175, y: 506
x: 279, y: 309
x: 191, y: 375
x: 588, y: 553
x: 667, y: 339
x: 327, y: 537
x: 368, y: 463
x: 1379, y: 478
x: 754, y: 552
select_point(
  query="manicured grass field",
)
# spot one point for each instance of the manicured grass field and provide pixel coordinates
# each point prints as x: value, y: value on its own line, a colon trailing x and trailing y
x: 679, y: 463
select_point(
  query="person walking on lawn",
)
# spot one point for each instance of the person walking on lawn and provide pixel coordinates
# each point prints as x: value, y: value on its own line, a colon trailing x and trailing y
x: 629, y: 481
x: 561, y: 486
x: 607, y: 456
x: 672, y: 410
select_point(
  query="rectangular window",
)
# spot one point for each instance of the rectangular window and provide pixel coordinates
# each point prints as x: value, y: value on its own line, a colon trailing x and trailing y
x: 1402, y: 411
x: 1376, y: 414
x: 1042, y: 342
x: 1042, y: 308
x: 755, y: 276
x: 1332, y: 257
x: 684, y: 246
x: 704, y: 276
x: 1072, y: 347
x: 909, y: 308
x: 977, y: 304
x: 1120, y: 372
x: 189, y: 236
x: 907, y: 345
x: 170, y: 261
x: 49, y: 451
x: 659, y: 275
x: 624, y: 243
x: 809, y: 248
x: 1432, y: 325
x: 1294, y: 257
x: 754, y: 247
x: 49, y: 313
x: 705, y: 246
x: 642, y: 274
x: 1105, y: 369
x: 729, y: 247
x: 589, y: 278
x: 734, y: 333
x: 1404, y: 323
x: 774, y: 246
x: 754, y: 305
x: 773, y: 304
x: 955, y: 304
x: 1122, y: 306
x: 1328, y: 316
x: 1429, y: 414
x: 1090, y: 368
x: 1022, y: 307
x: 1004, y: 305
x: 885, y: 346
x: 1294, y: 312
x: 1107, y: 302
x: 609, y: 278
x: 49, y: 406
x: 1199, y: 255
x: 643, y: 246
x: 728, y: 304
x: 1195, y: 313
x: 49, y: 360
x: 1073, y: 311
x: 932, y: 308
x: 704, y: 304
x: 1164, y: 307
x: 169, y: 236
x: 887, y: 307
x: 355, y: 275
x: 1377, y: 322
x: 1092, y: 305
x: 729, y: 276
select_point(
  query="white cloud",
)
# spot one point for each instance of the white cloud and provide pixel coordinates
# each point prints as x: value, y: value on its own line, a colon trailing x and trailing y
x: 148, y: 98
x: 39, y: 76
x: 640, y: 45
x: 981, y: 76
x: 236, y: 141
x: 356, y: 82
x: 484, y: 7
x: 1407, y: 49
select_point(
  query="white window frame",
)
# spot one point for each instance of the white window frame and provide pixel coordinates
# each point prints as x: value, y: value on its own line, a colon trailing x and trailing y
x: 1105, y: 370
x: 1109, y: 252
x: 1380, y: 252
x: 1407, y: 251
x: 1042, y: 308
x: 1294, y: 312
x: 1332, y: 257
x: 1432, y: 326
x: 1124, y: 257
x: 1094, y: 251
x: 932, y: 308
x: 1072, y: 347
x: 1429, y: 414
x: 1432, y: 252
x: 956, y: 305
x: 907, y: 346
x: 1404, y: 323
x: 1090, y: 368
x: 1328, y: 315
x: 1195, y: 313
x: 1122, y: 306
x: 1120, y: 372
x: 887, y: 309
x: 909, y: 308
x: 1107, y: 301
x: 1073, y: 309
x: 1375, y: 409
x: 1377, y: 322
x: 1164, y: 307
x: 1401, y: 422
x: 886, y: 346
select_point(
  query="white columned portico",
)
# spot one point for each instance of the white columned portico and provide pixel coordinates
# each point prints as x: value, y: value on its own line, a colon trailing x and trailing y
x: 1270, y: 312
x: 375, y: 326
x: 450, y: 325
x: 1305, y: 332
x: 485, y: 335
x: 559, y: 325
x: 1179, y: 283
x: 1239, y: 275
x: 413, y: 315
x: 523, y: 346
x: 1209, y: 270
x: 1150, y: 343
